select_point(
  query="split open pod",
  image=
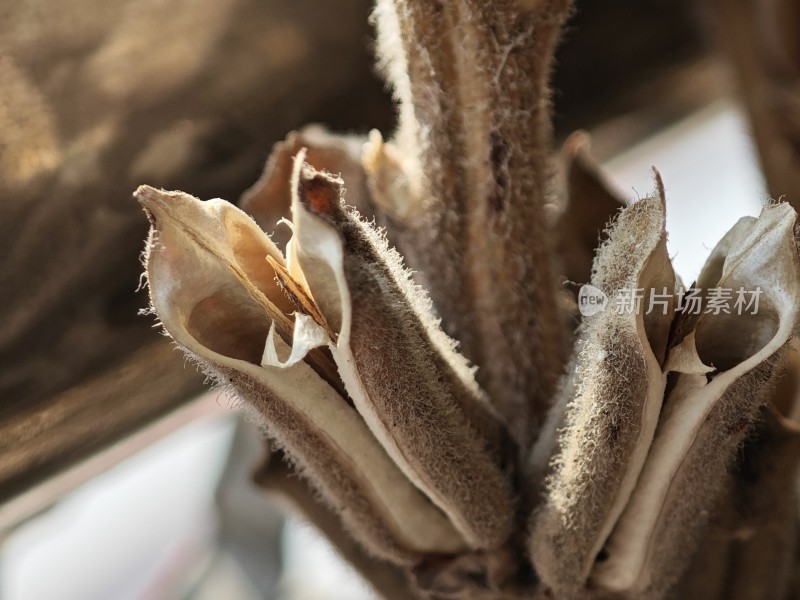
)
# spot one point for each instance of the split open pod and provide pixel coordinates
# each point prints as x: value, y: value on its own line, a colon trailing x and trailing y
x: 660, y: 402
x: 335, y: 353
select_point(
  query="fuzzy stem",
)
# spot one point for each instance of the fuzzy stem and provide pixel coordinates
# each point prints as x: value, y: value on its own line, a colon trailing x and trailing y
x: 471, y: 78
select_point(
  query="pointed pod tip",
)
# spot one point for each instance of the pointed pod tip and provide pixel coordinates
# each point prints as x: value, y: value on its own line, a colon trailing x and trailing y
x: 174, y: 205
x: 319, y: 195
x: 372, y: 150
x: 661, y: 196
x: 317, y: 191
x: 659, y: 184
x: 577, y: 144
x: 145, y: 194
x: 153, y: 199
x: 148, y: 197
x: 375, y: 136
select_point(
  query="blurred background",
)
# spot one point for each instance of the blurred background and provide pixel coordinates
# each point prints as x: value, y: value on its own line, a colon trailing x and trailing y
x: 121, y: 476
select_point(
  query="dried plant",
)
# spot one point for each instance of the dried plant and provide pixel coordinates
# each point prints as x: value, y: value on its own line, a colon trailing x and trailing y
x: 644, y: 466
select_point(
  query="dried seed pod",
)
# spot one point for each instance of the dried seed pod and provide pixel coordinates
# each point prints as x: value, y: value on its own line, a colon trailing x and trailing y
x: 748, y: 552
x: 764, y: 496
x: 709, y: 570
x: 724, y: 370
x: 216, y: 295
x: 416, y: 394
x: 618, y: 389
x: 474, y: 136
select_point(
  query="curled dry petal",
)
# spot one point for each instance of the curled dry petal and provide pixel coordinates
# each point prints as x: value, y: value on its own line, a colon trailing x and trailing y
x: 706, y: 416
x: 216, y: 295
x: 618, y: 388
x: 416, y: 394
x: 269, y: 199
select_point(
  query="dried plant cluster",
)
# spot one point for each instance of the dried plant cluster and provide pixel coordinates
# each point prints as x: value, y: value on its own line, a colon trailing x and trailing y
x: 627, y: 454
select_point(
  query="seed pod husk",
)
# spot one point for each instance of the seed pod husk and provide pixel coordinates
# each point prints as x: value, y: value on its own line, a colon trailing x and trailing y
x: 416, y: 394
x: 724, y: 371
x: 618, y: 389
x: 216, y: 295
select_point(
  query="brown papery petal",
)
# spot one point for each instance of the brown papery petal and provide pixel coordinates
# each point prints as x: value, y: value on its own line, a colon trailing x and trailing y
x: 416, y: 394
x: 213, y: 307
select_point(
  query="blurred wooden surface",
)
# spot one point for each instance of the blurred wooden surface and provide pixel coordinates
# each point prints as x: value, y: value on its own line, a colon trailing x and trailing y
x: 761, y: 40
x: 95, y: 99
